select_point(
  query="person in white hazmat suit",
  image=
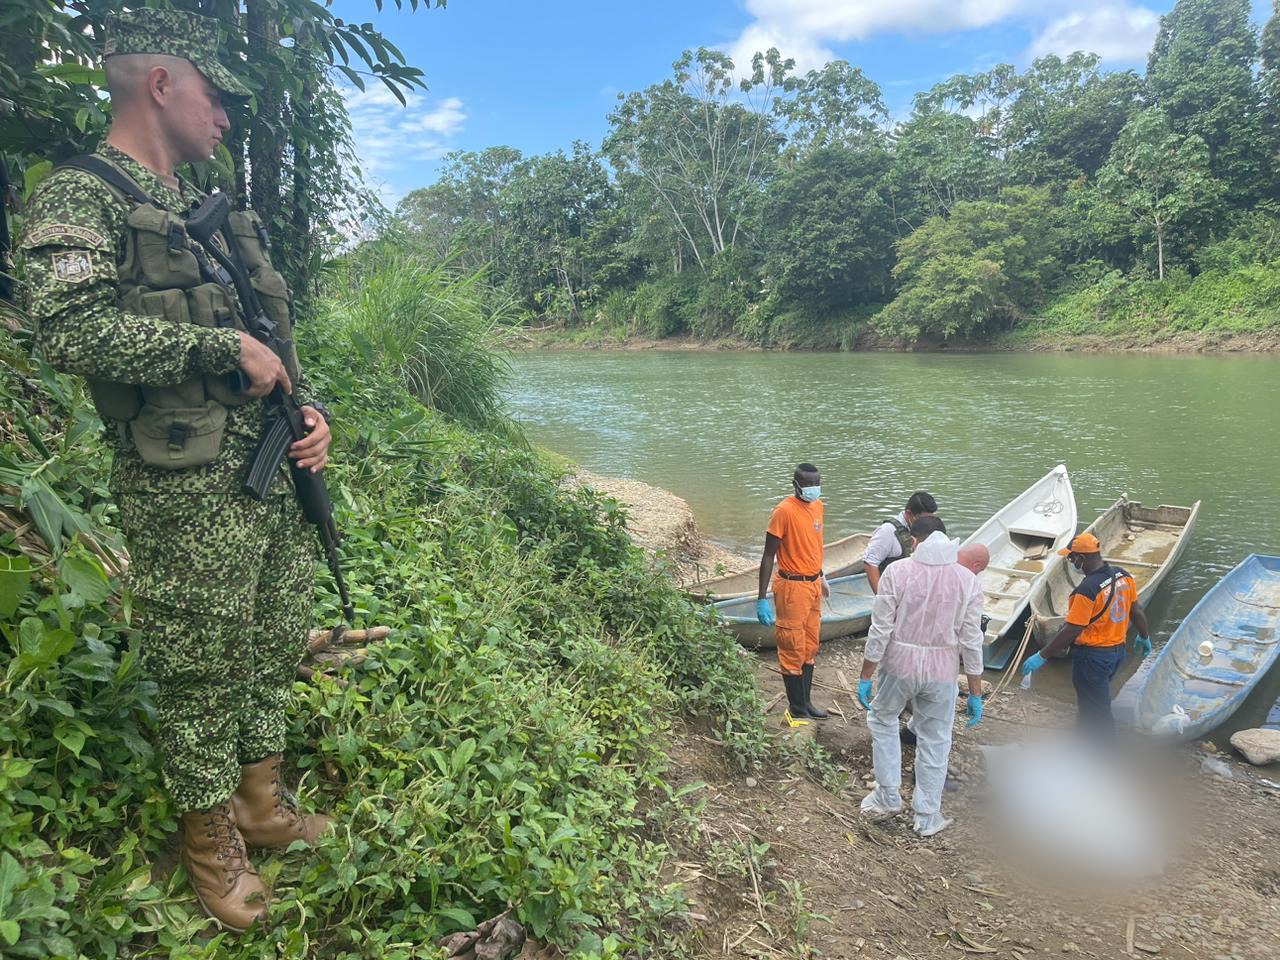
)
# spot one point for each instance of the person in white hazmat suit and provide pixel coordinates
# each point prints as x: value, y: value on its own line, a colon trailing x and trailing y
x: 925, y: 622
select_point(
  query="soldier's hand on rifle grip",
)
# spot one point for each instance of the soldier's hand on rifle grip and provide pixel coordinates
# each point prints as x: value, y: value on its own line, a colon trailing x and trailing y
x: 262, y: 367
x: 312, y: 451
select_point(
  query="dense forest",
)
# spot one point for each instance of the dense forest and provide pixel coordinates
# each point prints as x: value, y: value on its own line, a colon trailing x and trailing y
x: 757, y: 203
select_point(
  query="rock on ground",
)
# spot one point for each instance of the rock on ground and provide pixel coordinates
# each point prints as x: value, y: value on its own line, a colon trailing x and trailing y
x: 1259, y: 746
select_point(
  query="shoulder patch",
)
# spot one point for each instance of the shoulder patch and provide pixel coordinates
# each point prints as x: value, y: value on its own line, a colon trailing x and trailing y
x: 66, y: 235
x: 73, y: 266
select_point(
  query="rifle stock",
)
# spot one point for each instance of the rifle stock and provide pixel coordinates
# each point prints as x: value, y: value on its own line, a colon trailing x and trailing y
x: 285, y: 423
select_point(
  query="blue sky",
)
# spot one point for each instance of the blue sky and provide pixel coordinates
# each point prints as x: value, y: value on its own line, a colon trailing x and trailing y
x: 537, y: 74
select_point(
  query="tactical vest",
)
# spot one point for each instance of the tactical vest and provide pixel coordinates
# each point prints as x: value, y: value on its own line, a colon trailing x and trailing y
x: 164, y: 273
x: 903, y: 533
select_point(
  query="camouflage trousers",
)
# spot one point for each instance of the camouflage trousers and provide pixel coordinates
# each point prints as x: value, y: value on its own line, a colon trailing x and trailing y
x: 224, y: 585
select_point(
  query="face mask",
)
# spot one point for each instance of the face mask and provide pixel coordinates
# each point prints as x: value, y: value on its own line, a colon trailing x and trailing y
x: 811, y: 493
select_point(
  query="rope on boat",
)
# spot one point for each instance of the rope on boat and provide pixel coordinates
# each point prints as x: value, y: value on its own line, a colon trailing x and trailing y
x: 1016, y: 660
x: 1049, y: 507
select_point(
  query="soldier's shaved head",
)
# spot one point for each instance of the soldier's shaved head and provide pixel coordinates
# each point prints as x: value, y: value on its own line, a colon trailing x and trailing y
x: 128, y: 75
x: 974, y: 556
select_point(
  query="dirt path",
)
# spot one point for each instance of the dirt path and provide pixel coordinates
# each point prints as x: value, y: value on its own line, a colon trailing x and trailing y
x: 823, y: 882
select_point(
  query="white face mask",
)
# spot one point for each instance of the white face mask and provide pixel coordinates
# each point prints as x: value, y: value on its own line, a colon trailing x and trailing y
x: 811, y: 493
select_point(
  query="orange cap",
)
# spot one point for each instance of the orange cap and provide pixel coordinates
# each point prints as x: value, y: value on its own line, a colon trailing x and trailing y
x: 1084, y: 543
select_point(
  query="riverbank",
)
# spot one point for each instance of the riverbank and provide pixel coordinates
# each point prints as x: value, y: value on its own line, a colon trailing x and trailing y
x: 1022, y: 341
x: 663, y: 525
x: 779, y: 863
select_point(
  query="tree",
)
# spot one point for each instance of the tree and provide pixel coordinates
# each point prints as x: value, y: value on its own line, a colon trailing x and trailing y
x: 838, y: 105
x: 1066, y: 116
x: 977, y: 270
x: 461, y: 214
x: 940, y: 159
x: 829, y: 228
x: 551, y: 206
x: 690, y: 148
x: 1162, y: 178
x: 1201, y: 74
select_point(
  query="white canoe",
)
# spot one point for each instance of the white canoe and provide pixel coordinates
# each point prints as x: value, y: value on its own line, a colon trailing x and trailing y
x: 1145, y: 541
x: 1023, y: 538
x: 847, y: 612
x: 840, y: 558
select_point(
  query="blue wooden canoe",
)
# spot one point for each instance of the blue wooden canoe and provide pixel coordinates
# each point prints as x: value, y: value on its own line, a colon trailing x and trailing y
x: 1240, y: 617
x: 846, y: 613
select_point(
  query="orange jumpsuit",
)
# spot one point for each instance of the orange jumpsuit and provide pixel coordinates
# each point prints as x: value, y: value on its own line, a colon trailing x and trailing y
x: 798, y: 603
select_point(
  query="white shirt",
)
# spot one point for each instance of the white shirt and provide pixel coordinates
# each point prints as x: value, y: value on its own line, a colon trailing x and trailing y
x: 884, y: 544
x: 927, y: 615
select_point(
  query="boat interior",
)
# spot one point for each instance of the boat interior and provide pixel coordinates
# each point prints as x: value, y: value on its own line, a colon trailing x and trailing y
x: 1239, y: 619
x: 1139, y: 539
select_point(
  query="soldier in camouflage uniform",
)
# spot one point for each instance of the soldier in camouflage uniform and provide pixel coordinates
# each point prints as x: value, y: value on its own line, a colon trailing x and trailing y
x: 223, y: 580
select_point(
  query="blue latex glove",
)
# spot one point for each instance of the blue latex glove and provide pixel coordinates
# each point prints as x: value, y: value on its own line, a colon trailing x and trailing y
x: 1142, y: 646
x: 1034, y: 663
x: 974, y: 710
x: 764, y: 612
x: 864, y: 694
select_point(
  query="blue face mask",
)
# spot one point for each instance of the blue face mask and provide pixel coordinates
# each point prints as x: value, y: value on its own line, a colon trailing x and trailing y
x: 811, y: 493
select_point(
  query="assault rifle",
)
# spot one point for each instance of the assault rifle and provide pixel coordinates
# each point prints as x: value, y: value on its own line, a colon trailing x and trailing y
x: 285, y: 423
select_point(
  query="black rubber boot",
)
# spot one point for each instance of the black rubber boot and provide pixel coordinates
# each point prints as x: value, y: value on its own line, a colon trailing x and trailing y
x: 795, y: 697
x: 810, y: 709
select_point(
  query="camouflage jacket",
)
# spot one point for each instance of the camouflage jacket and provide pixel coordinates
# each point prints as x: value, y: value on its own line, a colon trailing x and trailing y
x: 72, y: 244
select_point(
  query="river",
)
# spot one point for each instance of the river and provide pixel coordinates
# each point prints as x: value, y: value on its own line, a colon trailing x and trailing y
x: 724, y: 430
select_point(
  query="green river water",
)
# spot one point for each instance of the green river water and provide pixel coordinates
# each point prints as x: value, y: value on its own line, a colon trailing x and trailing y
x: 724, y: 429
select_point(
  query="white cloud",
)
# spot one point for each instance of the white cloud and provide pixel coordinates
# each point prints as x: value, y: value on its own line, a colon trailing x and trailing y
x: 806, y: 29
x: 391, y: 139
x: 1118, y: 33
x: 807, y: 51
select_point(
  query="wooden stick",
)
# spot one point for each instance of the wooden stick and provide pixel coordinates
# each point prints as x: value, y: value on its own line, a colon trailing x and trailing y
x: 307, y: 673
x: 320, y: 639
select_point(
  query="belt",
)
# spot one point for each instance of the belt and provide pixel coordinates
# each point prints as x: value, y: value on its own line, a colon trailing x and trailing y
x: 797, y: 576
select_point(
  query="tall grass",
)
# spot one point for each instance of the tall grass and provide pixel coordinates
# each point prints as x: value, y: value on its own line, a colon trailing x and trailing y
x: 425, y: 325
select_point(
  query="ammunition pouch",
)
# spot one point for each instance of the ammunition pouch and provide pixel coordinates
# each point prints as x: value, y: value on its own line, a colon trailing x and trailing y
x: 161, y: 274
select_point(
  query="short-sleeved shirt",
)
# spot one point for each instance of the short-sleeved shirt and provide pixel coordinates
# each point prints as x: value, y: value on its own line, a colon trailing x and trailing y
x: 798, y: 524
x: 884, y: 544
x: 1095, y: 601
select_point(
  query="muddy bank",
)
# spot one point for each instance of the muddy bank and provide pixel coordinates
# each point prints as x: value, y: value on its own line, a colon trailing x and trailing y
x: 662, y: 524
x: 781, y: 865
x: 1259, y: 341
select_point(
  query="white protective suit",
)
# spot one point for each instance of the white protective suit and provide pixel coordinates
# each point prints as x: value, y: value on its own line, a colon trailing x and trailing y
x: 925, y: 620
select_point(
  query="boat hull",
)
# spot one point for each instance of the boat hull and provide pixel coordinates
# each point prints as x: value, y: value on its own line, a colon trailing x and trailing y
x: 840, y: 558
x: 1240, y: 619
x: 848, y: 612
x: 1145, y: 541
x: 1023, y: 538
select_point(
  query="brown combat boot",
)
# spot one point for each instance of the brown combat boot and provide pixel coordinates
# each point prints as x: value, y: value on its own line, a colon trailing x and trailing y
x: 266, y: 814
x: 225, y: 883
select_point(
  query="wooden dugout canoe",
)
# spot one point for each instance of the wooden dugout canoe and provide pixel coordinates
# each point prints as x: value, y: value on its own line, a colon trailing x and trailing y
x: 1145, y: 541
x: 1240, y: 619
x: 840, y: 558
x: 1023, y: 538
x: 846, y: 613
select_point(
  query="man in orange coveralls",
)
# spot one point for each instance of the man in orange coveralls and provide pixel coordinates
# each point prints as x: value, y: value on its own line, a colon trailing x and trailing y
x: 794, y: 537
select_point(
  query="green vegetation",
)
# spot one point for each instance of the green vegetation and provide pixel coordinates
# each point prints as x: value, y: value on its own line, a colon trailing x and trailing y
x: 505, y: 745
x: 751, y: 203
